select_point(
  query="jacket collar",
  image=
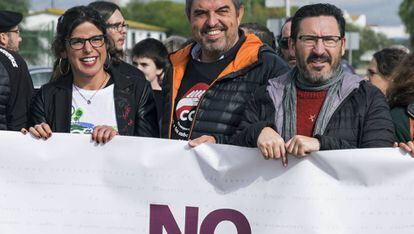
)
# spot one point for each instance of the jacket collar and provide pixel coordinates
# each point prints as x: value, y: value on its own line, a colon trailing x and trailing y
x: 246, y: 55
x: 120, y: 81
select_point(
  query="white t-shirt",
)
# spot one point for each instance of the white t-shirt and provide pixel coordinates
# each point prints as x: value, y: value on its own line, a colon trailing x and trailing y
x: 100, y: 111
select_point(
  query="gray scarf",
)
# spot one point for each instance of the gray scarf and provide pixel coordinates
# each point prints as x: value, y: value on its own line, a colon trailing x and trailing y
x: 331, y: 101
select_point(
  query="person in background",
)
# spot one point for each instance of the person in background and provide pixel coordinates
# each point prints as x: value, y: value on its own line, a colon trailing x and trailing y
x: 400, y: 96
x: 283, y: 42
x: 90, y: 97
x: 16, y: 86
x: 151, y: 57
x: 347, y: 67
x: 262, y: 32
x: 210, y: 81
x: 9, y: 30
x: 316, y: 106
x: 382, y: 65
x: 174, y: 43
x: 116, y: 27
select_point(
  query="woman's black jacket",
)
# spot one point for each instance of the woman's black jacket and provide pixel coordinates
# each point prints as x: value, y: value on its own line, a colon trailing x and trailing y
x: 134, y: 105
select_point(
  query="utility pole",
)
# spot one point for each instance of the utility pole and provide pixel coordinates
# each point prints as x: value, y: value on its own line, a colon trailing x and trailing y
x: 287, y: 5
x: 52, y: 3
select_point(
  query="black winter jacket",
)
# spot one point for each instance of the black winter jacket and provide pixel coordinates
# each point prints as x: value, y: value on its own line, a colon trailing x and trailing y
x: 221, y: 108
x: 16, y: 90
x: 361, y: 121
x: 134, y: 105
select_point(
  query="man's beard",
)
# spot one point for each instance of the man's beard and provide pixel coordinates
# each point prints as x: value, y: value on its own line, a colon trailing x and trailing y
x: 320, y: 78
x: 219, y: 46
x: 11, y: 46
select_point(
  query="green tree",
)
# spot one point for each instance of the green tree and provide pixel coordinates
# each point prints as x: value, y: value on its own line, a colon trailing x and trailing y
x: 255, y: 11
x: 21, y: 6
x: 30, y: 48
x: 369, y: 40
x: 171, y: 15
x: 34, y: 45
x: 407, y: 16
x: 165, y: 14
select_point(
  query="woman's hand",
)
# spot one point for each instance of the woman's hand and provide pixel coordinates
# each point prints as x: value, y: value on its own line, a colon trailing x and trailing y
x: 38, y: 131
x: 102, y: 134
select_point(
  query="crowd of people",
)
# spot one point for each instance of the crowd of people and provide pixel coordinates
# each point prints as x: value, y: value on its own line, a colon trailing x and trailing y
x: 229, y: 84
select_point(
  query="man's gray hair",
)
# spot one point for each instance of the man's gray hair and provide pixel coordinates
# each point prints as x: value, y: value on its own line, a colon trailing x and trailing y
x: 188, y: 3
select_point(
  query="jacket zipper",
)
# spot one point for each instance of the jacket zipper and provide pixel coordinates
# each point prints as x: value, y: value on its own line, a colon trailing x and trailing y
x: 228, y: 76
x: 172, y: 105
x: 201, y: 99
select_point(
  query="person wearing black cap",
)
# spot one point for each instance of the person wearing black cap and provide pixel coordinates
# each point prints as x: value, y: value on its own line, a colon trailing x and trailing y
x: 9, y: 30
x: 16, y: 86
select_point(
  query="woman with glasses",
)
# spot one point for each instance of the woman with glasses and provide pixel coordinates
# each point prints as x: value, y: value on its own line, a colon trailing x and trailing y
x: 89, y: 96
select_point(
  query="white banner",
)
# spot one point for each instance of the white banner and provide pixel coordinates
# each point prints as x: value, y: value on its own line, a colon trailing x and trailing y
x: 140, y: 185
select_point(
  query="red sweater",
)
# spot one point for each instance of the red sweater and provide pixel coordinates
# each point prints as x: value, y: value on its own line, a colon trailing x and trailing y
x: 308, y: 105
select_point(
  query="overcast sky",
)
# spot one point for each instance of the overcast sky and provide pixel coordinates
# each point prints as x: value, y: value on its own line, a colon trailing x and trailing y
x: 379, y: 12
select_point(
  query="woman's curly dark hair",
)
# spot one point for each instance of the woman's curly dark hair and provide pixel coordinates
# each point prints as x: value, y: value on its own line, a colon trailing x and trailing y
x: 401, y: 91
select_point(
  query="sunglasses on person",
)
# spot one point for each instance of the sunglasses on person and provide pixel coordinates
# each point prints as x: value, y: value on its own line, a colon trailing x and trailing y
x: 284, y: 43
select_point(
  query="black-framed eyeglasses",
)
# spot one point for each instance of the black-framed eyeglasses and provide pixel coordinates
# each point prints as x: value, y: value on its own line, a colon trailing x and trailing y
x: 328, y: 41
x: 117, y: 26
x: 284, y: 43
x: 17, y: 31
x: 77, y: 43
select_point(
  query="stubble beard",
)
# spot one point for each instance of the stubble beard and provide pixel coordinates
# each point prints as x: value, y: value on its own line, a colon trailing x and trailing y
x: 314, y: 76
x: 317, y: 79
x: 12, y: 46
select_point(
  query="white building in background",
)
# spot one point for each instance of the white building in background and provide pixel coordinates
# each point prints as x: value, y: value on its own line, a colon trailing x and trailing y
x: 46, y: 20
x: 359, y: 21
x: 392, y: 32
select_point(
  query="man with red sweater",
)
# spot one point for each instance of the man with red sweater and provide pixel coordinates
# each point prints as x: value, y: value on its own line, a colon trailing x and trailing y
x: 316, y: 106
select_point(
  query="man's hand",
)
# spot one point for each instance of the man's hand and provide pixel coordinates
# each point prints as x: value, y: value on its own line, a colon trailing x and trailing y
x: 302, y: 145
x: 407, y: 147
x: 201, y: 140
x: 272, y: 145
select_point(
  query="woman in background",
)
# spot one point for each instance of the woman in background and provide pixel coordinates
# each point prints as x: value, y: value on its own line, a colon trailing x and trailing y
x: 401, y: 99
x: 382, y: 66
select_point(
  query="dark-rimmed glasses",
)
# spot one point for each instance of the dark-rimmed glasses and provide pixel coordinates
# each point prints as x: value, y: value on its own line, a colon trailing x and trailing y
x: 328, y: 41
x: 117, y: 26
x: 77, y: 43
